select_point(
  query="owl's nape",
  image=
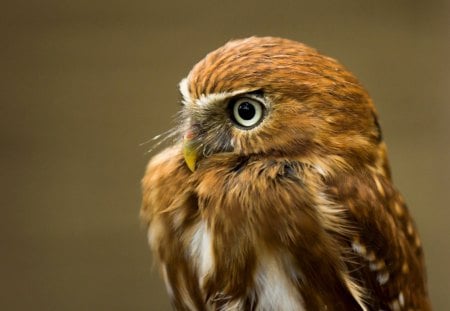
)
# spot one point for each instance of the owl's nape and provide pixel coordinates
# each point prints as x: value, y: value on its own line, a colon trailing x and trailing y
x: 278, y: 196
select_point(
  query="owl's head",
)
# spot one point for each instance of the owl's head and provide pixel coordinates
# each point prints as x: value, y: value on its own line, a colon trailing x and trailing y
x: 274, y: 97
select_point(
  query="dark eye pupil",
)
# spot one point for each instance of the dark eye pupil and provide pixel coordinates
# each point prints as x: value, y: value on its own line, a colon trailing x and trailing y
x: 246, y: 111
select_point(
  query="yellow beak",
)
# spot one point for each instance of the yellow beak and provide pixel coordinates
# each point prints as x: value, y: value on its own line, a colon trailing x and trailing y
x: 190, y: 153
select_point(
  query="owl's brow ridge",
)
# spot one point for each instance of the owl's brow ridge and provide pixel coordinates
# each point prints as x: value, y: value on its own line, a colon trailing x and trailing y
x: 208, y: 99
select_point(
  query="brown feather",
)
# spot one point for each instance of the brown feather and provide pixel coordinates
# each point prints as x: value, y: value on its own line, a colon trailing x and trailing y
x: 296, y: 213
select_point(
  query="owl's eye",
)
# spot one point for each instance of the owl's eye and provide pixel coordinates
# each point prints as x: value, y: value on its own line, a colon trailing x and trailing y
x: 246, y: 111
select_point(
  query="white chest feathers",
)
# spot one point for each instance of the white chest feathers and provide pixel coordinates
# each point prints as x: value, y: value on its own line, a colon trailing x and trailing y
x: 274, y: 282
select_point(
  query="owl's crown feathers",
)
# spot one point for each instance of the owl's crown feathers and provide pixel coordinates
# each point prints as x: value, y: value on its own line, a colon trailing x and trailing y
x: 277, y: 97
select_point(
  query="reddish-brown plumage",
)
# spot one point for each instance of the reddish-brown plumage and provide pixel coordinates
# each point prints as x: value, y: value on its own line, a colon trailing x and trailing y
x: 297, y: 212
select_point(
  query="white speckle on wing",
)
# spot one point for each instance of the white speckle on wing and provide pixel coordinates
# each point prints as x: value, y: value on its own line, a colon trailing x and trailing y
x: 401, y: 299
x: 377, y: 265
x: 383, y: 278
x: 359, y: 248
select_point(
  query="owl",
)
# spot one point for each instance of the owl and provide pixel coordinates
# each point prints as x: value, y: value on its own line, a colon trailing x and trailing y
x: 276, y: 193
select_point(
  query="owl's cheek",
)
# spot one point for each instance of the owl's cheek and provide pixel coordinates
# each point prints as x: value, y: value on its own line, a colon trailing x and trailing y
x: 246, y: 142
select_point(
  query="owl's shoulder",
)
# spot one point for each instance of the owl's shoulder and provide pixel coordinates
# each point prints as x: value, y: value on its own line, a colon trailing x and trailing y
x: 389, y: 256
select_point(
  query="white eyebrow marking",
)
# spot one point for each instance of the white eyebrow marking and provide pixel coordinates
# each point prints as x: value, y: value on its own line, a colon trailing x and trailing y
x: 206, y: 99
x: 184, y: 90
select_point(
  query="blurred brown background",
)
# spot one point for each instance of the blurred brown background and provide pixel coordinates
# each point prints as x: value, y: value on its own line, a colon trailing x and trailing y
x: 83, y: 83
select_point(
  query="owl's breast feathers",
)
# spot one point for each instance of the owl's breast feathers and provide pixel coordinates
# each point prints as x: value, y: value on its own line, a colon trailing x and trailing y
x: 249, y: 233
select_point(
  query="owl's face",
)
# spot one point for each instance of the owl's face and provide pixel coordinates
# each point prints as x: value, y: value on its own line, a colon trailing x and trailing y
x: 275, y: 97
